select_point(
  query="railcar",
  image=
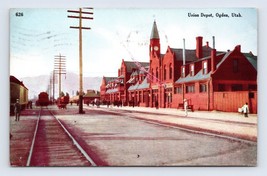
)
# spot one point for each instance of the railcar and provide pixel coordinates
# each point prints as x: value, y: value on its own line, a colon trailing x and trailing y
x: 18, y: 91
x: 43, y: 99
x: 62, y: 102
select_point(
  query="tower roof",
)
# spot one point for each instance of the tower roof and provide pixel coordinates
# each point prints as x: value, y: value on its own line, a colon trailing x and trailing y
x: 154, y: 32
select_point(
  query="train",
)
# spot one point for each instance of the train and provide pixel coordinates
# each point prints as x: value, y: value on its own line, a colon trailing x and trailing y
x: 18, y: 91
x: 43, y: 99
x: 63, y: 101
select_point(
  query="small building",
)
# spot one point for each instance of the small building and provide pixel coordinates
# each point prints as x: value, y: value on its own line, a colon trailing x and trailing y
x: 90, y: 96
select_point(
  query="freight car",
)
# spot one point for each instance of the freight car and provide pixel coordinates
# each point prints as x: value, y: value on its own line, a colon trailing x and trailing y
x: 43, y: 99
x: 17, y: 91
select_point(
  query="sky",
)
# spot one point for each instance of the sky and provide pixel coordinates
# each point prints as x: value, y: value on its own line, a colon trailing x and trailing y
x: 38, y: 35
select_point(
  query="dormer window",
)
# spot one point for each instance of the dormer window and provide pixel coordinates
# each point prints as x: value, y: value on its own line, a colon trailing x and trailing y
x: 205, y: 68
x: 192, y: 70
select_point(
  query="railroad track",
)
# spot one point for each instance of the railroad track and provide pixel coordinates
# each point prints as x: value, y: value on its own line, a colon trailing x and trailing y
x: 136, y: 116
x: 53, y: 144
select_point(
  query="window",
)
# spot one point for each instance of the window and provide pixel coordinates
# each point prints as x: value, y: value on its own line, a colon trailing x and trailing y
x: 251, y: 95
x: 192, y: 70
x: 164, y: 72
x: 235, y: 65
x: 252, y: 87
x: 237, y: 87
x: 152, y: 76
x: 183, y: 72
x: 190, y: 89
x: 169, y: 97
x: 170, y: 71
x: 157, y: 73
x: 203, y: 88
x: 178, y: 90
x: 221, y: 87
x: 205, y: 68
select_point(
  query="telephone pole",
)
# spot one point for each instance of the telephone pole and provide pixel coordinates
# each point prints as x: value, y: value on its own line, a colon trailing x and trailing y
x: 60, y: 69
x: 80, y: 16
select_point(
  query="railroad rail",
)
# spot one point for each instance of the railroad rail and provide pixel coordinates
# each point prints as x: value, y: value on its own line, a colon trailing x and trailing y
x: 136, y: 115
x: 53, y: 144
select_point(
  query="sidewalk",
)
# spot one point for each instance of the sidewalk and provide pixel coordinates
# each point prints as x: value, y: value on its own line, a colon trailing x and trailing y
x: 220, y: 123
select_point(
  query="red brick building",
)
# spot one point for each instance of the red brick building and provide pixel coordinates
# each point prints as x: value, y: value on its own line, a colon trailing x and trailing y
x: 208, y: 79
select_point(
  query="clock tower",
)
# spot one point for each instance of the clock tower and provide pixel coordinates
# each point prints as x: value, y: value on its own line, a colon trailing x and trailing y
x: 154, y: 47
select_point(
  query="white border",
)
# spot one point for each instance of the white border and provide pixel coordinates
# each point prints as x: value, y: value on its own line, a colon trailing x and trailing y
x: 260, y: 170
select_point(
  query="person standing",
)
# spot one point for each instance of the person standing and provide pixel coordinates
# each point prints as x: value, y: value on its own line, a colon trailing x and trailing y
x: 245, y: 110
x: 157, y: 104
x: 17, y: 110
x: 185, y: 107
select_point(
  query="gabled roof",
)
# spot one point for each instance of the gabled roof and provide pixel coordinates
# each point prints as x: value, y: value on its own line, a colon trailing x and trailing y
x: 130, y: 65
x: 108, y: 79
x: 92, y: 94
x: 190, y: 54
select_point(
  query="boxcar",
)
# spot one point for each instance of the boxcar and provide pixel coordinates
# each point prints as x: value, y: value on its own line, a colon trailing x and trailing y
x: 17, y: 91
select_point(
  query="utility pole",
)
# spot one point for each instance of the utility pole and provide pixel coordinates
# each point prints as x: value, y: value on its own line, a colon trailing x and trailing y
x: 60, y: 69
x: 80, y: 27
x: 52, y: 87
x: 53, y: 101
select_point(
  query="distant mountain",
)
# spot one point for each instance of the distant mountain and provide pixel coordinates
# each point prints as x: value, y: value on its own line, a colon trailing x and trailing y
x: 69, y: 84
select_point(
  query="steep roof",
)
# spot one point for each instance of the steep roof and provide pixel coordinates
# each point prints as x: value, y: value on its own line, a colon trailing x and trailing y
x: 108, y: 79
x: 252, y: 59
x: 154, y: 32
x: 190, y: 54
x: 130, y: 65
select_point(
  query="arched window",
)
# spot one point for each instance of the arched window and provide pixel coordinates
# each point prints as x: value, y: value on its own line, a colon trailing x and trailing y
x: 170, y: 71
x: 157, y: 73
x: 152, y: 79
x: 164, y: 72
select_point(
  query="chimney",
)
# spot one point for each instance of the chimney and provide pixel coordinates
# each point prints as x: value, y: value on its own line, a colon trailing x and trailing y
x: 199, y: 52
x: 238, y: 48
x: 213, y: 60
x: 213, y: 40
x: 207, y: 44
x: 183, y: 51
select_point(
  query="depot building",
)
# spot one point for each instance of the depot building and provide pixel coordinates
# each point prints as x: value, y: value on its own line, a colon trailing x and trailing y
x: 207, y: 78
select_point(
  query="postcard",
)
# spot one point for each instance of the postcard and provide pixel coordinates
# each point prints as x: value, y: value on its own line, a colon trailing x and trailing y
x: 133, y: 87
